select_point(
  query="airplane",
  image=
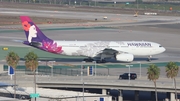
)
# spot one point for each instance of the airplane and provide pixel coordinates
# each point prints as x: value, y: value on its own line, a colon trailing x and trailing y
x: 98, y: 51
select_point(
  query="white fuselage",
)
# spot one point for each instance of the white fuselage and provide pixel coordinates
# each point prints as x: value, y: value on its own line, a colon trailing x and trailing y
x: 92, y: 48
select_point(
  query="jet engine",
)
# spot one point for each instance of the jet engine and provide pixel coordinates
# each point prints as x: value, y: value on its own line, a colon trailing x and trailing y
x: 125, y: 57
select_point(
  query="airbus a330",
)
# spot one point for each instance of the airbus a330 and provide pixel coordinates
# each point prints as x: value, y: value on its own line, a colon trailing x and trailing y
x: 99, y: 51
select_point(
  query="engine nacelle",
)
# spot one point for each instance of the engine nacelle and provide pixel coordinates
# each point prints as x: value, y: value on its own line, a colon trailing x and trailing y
x: 125, y: 57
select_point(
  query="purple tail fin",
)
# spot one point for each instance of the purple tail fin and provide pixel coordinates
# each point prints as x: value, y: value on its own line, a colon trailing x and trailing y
x: 36, y: 38
x: 33, y: 33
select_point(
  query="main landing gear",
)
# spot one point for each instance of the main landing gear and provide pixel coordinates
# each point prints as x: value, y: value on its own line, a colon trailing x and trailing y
x: 149, y: 58
x: 88, y: 59
x: 97, y: 61
x: 101, y: 61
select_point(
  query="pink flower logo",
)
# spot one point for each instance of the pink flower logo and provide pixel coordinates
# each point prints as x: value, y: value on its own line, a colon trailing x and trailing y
x: 52, y: 47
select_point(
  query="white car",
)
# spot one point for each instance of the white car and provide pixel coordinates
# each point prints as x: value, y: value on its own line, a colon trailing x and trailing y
x: 105, y: 17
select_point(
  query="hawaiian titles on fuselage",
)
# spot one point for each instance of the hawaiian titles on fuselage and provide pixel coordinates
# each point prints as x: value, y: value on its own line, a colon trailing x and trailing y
x: 139, y: 44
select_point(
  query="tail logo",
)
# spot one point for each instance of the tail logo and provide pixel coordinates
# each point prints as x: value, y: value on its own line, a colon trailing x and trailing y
x: 51, y: 47
x: 37, y: 39
x: 32, y: 30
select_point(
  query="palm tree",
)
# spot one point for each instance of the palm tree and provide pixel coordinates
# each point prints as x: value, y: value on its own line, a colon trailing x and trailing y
x: 31, y: 62
x: 172, y: 70
x: 153, y: 74
x: 12, y: 59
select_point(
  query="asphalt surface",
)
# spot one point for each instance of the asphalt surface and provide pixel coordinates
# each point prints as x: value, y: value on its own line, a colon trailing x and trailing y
x: 169, y: 41
x: 160, y: 29
x: 87, y: 15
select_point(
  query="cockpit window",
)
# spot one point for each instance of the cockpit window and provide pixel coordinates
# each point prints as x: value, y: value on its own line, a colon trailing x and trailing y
x: 160, y: 46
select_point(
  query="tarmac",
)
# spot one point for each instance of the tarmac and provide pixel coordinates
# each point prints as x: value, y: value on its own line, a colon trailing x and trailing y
x: 160, y: 29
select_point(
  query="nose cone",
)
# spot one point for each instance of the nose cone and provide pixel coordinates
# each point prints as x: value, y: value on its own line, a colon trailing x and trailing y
x: 163, y: 49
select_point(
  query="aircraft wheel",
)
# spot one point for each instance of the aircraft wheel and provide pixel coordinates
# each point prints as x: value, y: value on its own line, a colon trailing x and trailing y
x: 88, y: 59
x: 101, y: 61
x: 149, y: 58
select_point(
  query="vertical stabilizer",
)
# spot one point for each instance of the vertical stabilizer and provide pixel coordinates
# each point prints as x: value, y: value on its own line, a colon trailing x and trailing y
x: 36, y: 38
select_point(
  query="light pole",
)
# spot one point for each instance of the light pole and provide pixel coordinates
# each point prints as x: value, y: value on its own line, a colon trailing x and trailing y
x: 52, y: 67
x: 95, y: 66
x: 75, y: 3
x: 139, y: 69
x: 108, y: 71
x: 114, y: 3
x: 83, y: 90
x: 82, y: 64
x: 129, y: 71
x: 37, y: 68
x: 82, y: 80
x: 137, y: 4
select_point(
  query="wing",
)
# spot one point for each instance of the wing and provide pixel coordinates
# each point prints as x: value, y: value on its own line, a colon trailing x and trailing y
x: 118, y: 55
x: 107, y: 52
x: 112, y: 53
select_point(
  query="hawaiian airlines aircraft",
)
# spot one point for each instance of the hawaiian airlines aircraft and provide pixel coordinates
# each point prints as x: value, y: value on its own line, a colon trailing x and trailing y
x: 95, y: 50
